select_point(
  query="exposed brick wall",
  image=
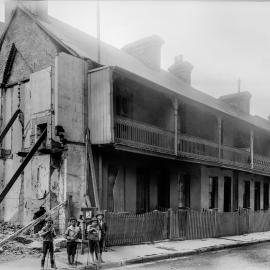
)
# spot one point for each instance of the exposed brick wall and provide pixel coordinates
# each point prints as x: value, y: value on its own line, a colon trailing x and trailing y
x: 34, y: 46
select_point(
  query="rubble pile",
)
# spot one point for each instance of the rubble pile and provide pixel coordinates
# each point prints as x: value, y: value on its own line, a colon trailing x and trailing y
x: 19, y: 246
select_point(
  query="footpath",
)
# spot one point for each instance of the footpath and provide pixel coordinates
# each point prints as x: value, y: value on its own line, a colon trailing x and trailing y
x: 118, y: 256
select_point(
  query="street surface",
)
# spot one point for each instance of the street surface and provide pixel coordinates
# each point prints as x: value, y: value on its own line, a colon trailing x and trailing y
x: 244, y: 258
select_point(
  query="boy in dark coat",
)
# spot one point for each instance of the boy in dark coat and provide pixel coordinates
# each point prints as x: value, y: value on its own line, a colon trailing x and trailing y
x: 48, y: 234
x: 103, y: 228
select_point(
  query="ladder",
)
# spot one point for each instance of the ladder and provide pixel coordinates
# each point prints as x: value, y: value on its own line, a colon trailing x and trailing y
x: 23, y: 165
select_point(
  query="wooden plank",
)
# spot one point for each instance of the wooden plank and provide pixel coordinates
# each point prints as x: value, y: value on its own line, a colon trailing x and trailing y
x: 100, y: 106
x: 90, y: 160
x: 40, y: 88
x: 70, y: 86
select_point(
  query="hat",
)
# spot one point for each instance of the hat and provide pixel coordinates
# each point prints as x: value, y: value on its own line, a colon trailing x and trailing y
x: 72, y: 218
x: 99, y: 214
x: 94, y: 219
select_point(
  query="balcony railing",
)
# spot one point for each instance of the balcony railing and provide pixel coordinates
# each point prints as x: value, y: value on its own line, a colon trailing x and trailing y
x: 143, y: 136
x: 197, y: 148
x: 261, y: 163
x: 147, y: 137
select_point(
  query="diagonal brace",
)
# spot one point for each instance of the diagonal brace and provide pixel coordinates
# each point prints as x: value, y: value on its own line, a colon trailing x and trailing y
x: 9, y: 124
x: 23, y: 165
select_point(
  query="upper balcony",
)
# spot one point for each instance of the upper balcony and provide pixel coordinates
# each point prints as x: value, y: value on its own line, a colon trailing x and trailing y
x: 135, y: 117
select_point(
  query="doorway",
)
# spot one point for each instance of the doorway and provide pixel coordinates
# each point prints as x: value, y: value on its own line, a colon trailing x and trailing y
x: 143, y: 190
x: 227, y: 193
x: 163, y: 189
x: 257, y: 196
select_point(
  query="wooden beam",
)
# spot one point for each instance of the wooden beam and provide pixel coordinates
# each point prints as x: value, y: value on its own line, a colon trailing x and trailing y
x: 23, y: 165
x: 90, y: 160
x: 9, y: 124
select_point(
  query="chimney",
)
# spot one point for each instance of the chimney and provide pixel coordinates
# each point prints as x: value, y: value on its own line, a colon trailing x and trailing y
x: 38, y: 8
x: 239, y: 101
x: 147, y: 50
x: 181, y: 69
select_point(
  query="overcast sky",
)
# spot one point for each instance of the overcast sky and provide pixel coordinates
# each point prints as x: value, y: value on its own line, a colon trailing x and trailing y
x: 223, y: 40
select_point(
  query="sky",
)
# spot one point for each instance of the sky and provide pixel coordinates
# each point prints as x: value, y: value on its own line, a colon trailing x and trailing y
x: 224, y: 41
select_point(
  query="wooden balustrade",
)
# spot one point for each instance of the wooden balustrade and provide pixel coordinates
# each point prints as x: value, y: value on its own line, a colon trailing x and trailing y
x: 195, y: 147
x: 143, y: 136
x: 235, y: 157
x: 139, y: 135
x: 261, y: 163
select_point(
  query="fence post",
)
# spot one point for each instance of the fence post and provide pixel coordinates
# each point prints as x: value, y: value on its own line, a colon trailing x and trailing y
x: 170, y: 223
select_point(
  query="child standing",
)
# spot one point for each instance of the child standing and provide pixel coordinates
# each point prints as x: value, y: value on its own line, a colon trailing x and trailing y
x: 94, y: 235
x: 72, y: 235
x: 103, y: 227
x: 48, y: 234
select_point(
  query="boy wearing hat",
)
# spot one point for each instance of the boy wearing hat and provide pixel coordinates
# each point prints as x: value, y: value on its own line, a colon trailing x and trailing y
x: 72, y: 234
x: 103, y: 229
x: 48, y: 233
x: 94, y: 235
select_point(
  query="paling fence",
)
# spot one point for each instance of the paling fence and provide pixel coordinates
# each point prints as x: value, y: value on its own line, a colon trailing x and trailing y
x: 127, y: 228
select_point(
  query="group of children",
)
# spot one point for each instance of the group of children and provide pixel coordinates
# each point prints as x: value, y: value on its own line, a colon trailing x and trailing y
x: 96, y: 235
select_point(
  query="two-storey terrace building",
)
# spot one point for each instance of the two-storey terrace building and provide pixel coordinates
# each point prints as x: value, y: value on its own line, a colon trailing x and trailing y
x: 157, y: 142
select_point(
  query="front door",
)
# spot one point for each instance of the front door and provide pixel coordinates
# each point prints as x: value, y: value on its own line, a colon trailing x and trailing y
x: 227, y: 193
x: 164, y: 189
x: 143, y: 190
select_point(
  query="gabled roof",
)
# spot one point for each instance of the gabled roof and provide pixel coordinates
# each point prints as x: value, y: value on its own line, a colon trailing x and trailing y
x: 83, y: 45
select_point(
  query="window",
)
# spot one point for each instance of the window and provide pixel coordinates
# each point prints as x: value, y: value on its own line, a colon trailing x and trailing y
x: 257, y: 196
x: 39, y: 130
x: 246, y: 195
x: 184, y: 191
x: 213, y: 192
x: 265, y: 196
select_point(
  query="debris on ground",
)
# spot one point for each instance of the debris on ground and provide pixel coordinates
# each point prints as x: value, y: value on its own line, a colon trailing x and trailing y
x: 18, y: 247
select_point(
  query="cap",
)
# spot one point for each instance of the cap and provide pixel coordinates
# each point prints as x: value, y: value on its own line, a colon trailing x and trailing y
x: 99, y: 214
x: 94, y: 219
x: 72, y: 218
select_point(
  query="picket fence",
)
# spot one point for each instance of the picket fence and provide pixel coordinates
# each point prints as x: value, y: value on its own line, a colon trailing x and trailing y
x: 125, y: 228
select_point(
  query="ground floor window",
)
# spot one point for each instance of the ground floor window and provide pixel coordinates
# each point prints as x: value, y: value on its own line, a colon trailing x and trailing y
x: 246, y: 195
x: 213, y: 192
x: 184, y: 191
x: 257, y: 196
x: 265, y: 196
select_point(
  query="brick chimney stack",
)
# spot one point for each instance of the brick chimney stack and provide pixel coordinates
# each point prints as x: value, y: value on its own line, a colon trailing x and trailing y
x: 38, y: 7
x: 239, y: 101
x: 147, y: 50
x: 181, y: 69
